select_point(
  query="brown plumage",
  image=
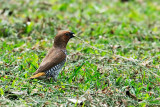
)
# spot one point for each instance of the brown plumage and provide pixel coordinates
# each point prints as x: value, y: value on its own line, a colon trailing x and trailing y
x: 56, y: 57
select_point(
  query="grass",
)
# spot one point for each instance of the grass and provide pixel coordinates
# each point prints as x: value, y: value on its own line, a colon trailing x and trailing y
x: 115, y: 61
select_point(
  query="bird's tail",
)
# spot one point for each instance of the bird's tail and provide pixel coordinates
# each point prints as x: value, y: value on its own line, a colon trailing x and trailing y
x: 38, y: 75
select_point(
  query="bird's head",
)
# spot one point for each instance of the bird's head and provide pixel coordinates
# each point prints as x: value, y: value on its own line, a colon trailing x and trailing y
x: 62, y: 38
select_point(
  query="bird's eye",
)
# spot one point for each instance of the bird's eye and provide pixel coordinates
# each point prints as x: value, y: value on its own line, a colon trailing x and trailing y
x: 67, y: 34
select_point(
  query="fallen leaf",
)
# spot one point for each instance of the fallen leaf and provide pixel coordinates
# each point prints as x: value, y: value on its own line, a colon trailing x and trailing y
x: 1, y: 63
x: 80, y: 102
x: 18, y: 92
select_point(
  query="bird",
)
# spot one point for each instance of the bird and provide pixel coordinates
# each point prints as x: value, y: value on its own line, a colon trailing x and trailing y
x: 55, y: 59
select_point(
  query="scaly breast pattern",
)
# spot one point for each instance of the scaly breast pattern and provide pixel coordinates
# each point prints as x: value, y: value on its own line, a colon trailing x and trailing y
x: 54, y: 71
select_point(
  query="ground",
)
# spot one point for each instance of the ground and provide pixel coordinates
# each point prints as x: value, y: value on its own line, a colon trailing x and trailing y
x: 113, y: 61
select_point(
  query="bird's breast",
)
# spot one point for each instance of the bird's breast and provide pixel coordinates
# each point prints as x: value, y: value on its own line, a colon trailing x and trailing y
x: 54, y: 71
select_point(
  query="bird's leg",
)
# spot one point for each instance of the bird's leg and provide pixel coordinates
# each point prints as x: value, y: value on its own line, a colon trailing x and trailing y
x: 54, y: 78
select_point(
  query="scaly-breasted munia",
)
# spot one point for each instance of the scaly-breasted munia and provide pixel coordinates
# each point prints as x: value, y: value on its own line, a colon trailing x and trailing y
x: 56, y: 57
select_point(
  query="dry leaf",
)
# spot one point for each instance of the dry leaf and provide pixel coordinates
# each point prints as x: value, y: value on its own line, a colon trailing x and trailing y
x: 1, y: 62
x: 18, y: 92
x: 80, y: 102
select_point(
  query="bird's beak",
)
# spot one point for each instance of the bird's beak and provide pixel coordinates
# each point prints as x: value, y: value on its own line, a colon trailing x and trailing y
x: 72, y: 35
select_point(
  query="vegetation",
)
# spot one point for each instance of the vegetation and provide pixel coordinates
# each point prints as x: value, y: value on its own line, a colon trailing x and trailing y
x: 114, y: 61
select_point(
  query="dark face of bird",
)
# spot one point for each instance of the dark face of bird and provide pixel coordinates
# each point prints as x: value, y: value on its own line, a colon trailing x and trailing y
x: 62, y: 38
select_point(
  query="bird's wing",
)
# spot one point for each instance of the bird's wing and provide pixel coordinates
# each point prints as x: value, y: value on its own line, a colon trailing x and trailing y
x: 54, y: 57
